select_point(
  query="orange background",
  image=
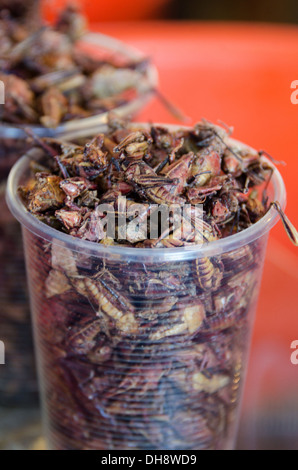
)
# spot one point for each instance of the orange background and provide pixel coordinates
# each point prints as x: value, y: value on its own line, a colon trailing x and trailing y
x: 240, y: 74
x: 110, y: 10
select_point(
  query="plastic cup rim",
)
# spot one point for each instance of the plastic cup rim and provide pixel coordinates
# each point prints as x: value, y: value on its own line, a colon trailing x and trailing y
x: 233, y: 242
x: 85, y: 127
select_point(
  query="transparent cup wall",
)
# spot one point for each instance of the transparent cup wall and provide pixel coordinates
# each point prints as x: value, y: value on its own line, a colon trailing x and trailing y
x: 141, y: 348
x: 17, y: 378
x: 141, y: 354
x: 18, y: 384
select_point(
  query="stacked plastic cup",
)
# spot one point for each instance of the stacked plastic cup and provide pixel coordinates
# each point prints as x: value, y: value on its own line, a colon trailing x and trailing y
x: 18, y: 385
x: 18, y: 380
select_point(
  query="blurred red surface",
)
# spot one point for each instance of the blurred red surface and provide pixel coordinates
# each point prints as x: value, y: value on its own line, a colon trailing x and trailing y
x: 112, y: 10
x: 242, y: 75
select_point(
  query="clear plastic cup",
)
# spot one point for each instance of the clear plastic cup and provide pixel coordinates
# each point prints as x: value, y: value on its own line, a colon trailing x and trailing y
x: 18, y: 384
x: 141, y: 348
